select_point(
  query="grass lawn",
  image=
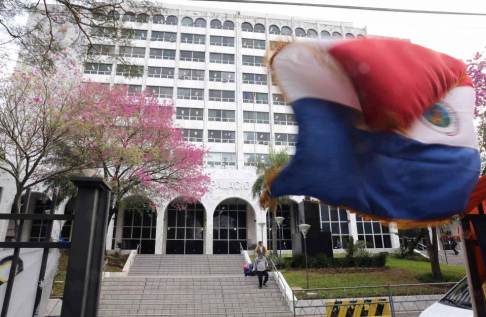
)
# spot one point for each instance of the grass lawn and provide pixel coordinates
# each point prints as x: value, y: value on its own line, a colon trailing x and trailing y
x: 397, y: 271
x: 115, y: 264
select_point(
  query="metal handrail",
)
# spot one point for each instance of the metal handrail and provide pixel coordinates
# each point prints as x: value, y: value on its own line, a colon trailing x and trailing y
x: 138, y: 248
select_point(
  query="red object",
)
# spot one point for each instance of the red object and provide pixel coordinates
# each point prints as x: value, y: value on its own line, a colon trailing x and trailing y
x: 397, y: 81
x: 246, y: 267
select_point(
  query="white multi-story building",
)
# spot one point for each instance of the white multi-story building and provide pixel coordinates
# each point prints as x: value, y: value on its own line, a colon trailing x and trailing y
x: 211, y: 64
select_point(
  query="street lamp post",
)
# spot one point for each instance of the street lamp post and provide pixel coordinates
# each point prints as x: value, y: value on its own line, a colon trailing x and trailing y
x: 304, y: 228
x: 262, y: 225
x: 279, y: 221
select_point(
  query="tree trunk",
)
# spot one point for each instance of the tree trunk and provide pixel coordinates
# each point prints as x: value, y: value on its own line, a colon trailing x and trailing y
x: 274, y: 233
x: 433, y: 252
x: 16, y: 210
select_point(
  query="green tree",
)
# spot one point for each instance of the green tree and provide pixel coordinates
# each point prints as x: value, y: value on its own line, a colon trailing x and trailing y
x: 266, y: 171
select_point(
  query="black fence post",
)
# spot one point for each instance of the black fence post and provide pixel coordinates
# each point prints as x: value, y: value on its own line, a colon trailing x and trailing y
x: 83, y: 277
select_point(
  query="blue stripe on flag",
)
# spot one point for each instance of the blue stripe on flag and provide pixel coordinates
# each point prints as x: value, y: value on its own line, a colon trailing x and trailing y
x: 384, y: 174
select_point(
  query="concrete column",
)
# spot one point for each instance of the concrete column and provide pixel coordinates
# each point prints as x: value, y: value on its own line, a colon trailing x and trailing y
x: 395, y: 240
x: 208, y: 233
x: 353, y: 229
x: 119, y: 226
x: 160, y: 231
x: 109, y: 235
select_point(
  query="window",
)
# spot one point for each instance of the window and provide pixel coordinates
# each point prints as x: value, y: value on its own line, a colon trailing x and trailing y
x: 311, y: 33
x: 1, y: 193
x: 99, y: 15
x: 190, y: 93
x: 221, y: 115
x: 259, y: 28
x: 103, y: 32
x: 162, y: 54
x: 192, y: 74
x: 189, y: 113
x: 192, y: 135
x: 247, y: 27
x: 228, y: 25
x: 128, y: 51
x: 142, y: 18
x: 139, y: 228
x: 325, y: 35
x: 218, y: 159
x: 252, y: 97
x: 336, y: 35
x: 129, y: 17
x: 336, y: 221
x: 216, y: 24
x: 375, y: 235
x: 160, y: 92
x: 171, y: 20
x: 225, y: 77
x: 193, y: 56
x: 134, y: 89
x: 287, y: 212
x: 255, y: 117
x: 360, y: 36
x: 256, y: 138
x: 230, y: 231
x: 158, y: 19
x: 100, y: 69
x: 252, y: 159
x: 185, y: 229
x: 299, y: 32
x: 187, y: 21
x: 222, y: 58
x: 285, y: 139
x: 284, y: 119
x: 163, y: 36
x: 193, y: 38
x: 222, y: 41
x: 222, y: 95
x: 251, y: 43
x: 349, y: 36
x: 101, y: 50
x: 160, y: 72
x: 216, y: 136
x: 286, y: 30
x: 279, y: 100
x: 257, y: 79
x: 274, y: 29
x: 200, y: 23
x: 252, y: 60
x: 113, y: 15
x: 129, y: 70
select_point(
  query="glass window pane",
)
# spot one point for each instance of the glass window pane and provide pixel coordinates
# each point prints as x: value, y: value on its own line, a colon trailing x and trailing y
x: 344, y: 228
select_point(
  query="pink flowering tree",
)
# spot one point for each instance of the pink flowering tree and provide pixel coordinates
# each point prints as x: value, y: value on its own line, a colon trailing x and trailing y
x: 38, y: 112
x: 133, y: 143
x: 476, y: 69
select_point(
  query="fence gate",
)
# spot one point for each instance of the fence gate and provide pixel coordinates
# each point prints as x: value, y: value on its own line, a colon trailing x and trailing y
x: 84, y: 272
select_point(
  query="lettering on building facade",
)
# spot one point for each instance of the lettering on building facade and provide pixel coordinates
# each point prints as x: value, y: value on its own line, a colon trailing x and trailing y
x: 231, y: 184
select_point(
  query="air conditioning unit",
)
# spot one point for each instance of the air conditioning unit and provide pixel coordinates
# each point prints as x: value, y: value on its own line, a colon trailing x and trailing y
x: 225, y: 80
x: 172, y: 40
x: 182, y: 77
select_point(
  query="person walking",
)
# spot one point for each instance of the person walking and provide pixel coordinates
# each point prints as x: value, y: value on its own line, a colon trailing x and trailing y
x: 453, y: 245
x: 261, y: 269
x: 261, y: 249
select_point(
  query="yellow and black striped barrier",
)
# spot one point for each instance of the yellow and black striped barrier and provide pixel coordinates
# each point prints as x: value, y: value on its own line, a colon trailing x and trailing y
x: 359, y: 308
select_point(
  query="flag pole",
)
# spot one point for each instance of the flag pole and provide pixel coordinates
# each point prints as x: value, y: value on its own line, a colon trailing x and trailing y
x: 473, y: 278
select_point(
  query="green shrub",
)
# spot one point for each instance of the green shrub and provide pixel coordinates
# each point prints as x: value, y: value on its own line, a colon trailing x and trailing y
x: 277, y: 261
x: 298, y: 261
x: 322, y: 261
x: 379, y: 260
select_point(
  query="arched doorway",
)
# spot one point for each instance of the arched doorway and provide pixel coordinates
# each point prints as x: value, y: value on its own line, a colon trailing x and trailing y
x: 289, y: 226
x: 139, y: 224
x: 185, y: 228
x: 230, y: 226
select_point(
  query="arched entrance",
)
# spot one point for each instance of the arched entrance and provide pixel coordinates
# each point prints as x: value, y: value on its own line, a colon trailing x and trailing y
x: 289, y: 226
x: 139, y: 224
x: 230, y: 226
x: 185, y: 228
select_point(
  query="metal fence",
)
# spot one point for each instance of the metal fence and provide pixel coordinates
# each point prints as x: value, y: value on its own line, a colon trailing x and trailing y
x: 405, y: 300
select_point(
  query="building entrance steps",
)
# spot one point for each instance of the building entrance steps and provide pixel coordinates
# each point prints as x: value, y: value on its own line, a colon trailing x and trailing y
x: 190, y: 285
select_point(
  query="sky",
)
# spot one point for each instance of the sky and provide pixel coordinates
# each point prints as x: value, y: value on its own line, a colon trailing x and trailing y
x: 458, y: 36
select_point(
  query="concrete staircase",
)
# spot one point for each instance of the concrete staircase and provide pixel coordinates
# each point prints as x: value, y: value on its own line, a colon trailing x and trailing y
x: 190, y: 285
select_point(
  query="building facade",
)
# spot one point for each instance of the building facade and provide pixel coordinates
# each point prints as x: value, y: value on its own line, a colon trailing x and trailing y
x: 211, y: 64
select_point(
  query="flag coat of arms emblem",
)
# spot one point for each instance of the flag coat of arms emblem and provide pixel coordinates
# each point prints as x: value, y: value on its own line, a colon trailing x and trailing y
x: 398, y: 147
